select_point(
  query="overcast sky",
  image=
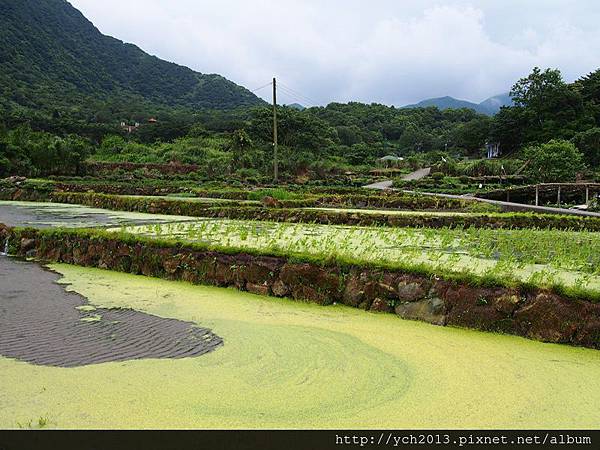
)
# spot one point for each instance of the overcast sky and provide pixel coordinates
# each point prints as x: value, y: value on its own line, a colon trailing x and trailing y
x: 386, y: 51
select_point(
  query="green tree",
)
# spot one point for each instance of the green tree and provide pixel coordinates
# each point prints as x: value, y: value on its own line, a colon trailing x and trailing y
x: 588, y: 142
x: 534, y: 90
x: 296, y: 129
x: 509, y: 129
x: 555, y: 161
x: 551, y: 108
x: 473, y: 134
x: 589, y: 88
x: 112, y: 145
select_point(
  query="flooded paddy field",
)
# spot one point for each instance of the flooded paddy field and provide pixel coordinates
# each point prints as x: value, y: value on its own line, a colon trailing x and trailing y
x: 47, y: 215
x: 110, y: 350
x: 541, y: 257
x: 208, y: 200
x: 399, y: 212
x: 289, y: 364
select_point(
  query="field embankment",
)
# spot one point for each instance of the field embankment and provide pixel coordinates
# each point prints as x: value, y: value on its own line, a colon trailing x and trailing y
x: 328, y: 209
x: 458, y: 299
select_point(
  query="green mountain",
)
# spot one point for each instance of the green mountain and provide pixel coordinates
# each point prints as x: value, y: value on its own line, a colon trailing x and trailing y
x: 489, y: 106
x: 492, y: 105
x: 297, y: 106
x: 51, y: 56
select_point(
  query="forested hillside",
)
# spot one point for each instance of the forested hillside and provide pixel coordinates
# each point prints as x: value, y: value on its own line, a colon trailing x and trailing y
x: 53, y: 58
x: 69, y: 93
x: 318, y: 140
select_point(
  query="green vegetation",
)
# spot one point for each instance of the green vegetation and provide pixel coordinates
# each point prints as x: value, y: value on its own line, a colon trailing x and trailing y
x: 555, y: 161
x: 32, y: 153
x: 41, y: 422
x: 281, y: 366
x: 339, y: 143
x: 545, y: 258
x: 521, y: 259
x: 342, y: 209
x: 56, y: 61
x: 183, y: 206
x: 80, y: 104
x: 96, y: 123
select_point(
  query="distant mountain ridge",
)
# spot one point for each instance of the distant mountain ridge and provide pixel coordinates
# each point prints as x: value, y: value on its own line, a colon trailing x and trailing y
x: 489, y: 106
x: 50, y: 54
x: 296, y: 106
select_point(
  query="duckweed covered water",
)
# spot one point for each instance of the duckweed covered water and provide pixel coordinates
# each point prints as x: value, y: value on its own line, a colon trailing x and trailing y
x: 46, y: 214
x: 289, y: 364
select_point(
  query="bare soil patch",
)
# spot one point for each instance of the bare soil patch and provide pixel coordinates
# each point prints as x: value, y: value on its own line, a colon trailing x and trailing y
x: 43, y: 324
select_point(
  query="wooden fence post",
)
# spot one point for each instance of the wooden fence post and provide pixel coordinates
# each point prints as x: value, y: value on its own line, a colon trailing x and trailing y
x: 587, y: 194
x: 537, y: 195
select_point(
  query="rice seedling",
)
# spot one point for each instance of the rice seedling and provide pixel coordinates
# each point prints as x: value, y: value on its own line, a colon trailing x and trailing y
x: 540, y: 256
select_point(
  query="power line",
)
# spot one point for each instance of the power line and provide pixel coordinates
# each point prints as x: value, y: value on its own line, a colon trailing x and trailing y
x: 292, y: 97
x: 299, y: 94
x: 262, y: 87
x: 275, y: 156
x: 292, y: 93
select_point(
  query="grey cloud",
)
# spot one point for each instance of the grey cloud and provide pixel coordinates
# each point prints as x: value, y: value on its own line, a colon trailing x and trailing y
x: 387, y: 51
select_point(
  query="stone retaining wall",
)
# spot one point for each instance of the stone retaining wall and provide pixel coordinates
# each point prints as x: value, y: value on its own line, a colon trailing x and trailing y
x: 532, y: 313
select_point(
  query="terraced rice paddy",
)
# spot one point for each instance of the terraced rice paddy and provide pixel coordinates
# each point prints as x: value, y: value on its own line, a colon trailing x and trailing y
x: 541, y: 257
x: 398, y: 212
x: 289, y: 364
x: 207, y: 200
x: 46, y: 215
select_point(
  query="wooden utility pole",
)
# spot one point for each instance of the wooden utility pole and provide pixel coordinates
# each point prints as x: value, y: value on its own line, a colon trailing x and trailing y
x: 275, y: 156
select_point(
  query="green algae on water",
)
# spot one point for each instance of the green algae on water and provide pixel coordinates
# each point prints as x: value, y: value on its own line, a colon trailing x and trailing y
x: 86, y: 308
x: 287, y: 364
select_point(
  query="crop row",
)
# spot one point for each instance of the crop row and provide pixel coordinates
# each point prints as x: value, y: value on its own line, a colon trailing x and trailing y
x: 245, y: 210
x: 543, y: 258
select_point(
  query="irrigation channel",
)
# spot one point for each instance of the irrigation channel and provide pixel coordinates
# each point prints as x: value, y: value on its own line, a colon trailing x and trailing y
x: 282, y: 364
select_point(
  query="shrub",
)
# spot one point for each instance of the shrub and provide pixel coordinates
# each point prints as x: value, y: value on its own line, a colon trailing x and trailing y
x: 588, y: 142
x: 556, y: 161
x: 277, y: 193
